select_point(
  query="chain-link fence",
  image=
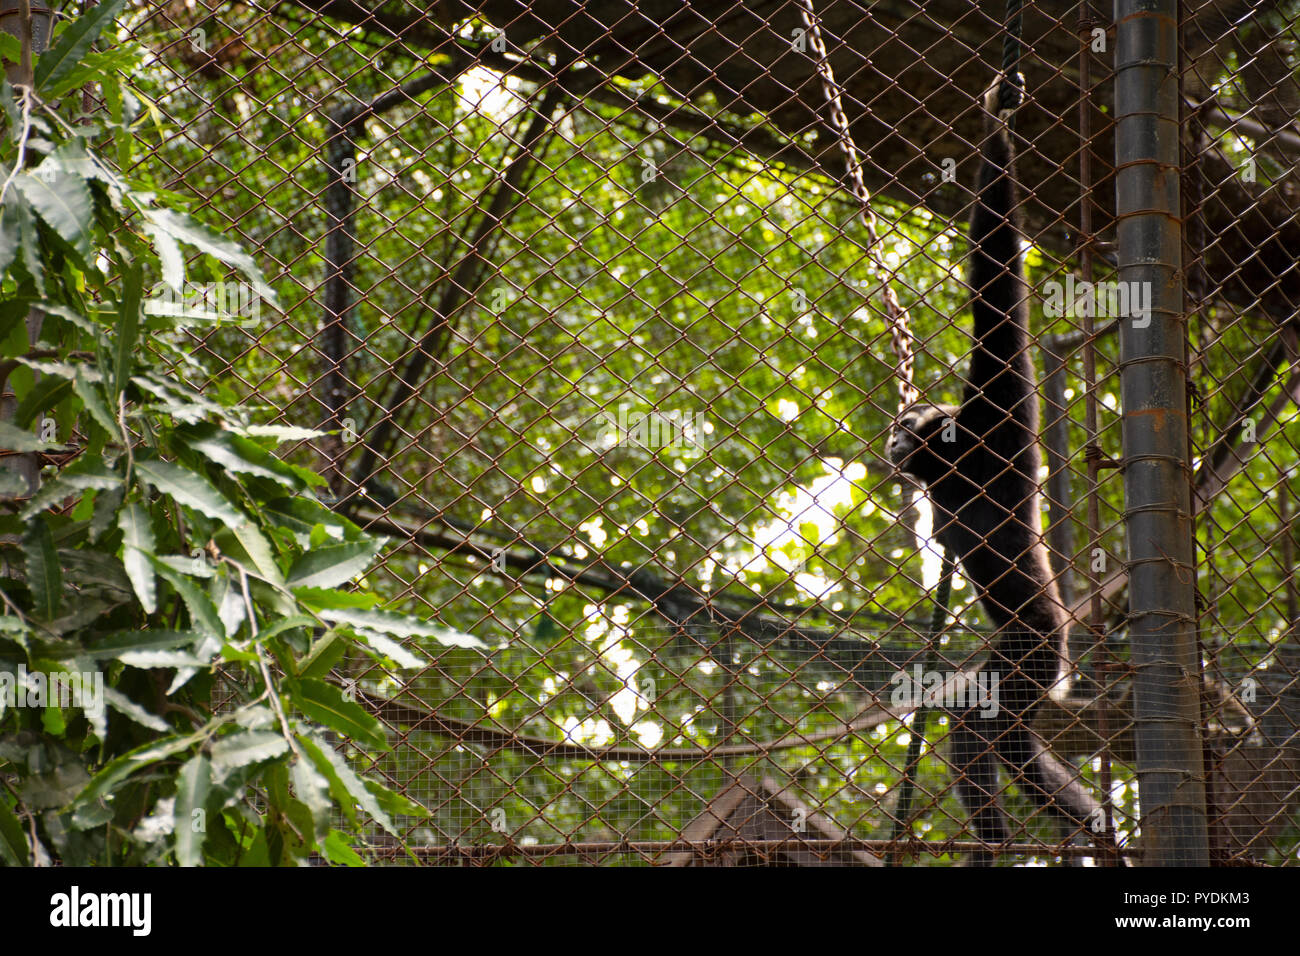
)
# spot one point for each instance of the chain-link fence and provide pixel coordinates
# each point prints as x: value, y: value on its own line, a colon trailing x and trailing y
x: 582, y: 298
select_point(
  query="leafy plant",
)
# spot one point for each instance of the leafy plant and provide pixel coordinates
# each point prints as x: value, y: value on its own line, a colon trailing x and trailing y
x: 174, y: 594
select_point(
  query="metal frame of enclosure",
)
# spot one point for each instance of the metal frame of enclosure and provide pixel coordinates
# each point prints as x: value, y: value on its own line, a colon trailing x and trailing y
x: 583, y: 300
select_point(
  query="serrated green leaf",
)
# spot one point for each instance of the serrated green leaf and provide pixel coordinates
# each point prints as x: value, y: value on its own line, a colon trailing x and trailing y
x: 123, y: 642
x: 301, y: 514
x: 137, y: 546
x: 326, y: 705
x: 44, y: 576
x: 344, y: 783
x: 87, y: 568
x: 236, y: 453
x: 337, y: 850
x: 17, y: 439
x: 398, y: 625
x: 13, y: 842
x: 155, y: 660
x: 394, y: 803
x: 332, y: 566
x: 190, y: 489
x: 128, y: 327
x: 92, y: 396
x: 311, y: 787
x: 203, y: 612
x: 327, y: 651
x: 190, y: 811
x: 65, y: 204
x: 128, y: 708
x: 70, y: 482
x: 317, y: 598
x: 14, y: 629
x: 190, y: 231
x: 73, y: 43
x: 281, y: 432
x: 259, y: 552
x: 107, y: 503
x: 252, y: 746
x: 133, y: 761
x: 44, y: 395
x: 29, y: 241
x: 389, y: 648
x: 9, y: 236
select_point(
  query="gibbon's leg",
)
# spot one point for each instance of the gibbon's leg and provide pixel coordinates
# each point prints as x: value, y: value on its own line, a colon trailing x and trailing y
x: 974, y: 760
x: 1048, y: 781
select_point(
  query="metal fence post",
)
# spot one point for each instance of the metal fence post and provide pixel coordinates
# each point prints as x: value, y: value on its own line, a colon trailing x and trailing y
x: 1157, y: 491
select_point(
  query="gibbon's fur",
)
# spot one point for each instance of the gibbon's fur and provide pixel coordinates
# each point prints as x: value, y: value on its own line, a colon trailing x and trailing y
x: 979, y: 462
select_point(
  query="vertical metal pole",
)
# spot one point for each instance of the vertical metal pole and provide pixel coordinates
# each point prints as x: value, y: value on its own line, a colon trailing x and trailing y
x: 1157, y: 472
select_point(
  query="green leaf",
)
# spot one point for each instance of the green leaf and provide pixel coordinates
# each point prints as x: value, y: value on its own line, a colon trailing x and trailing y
x: 332, y: 566
x: 169, y: 257
x: 74, y: 42
x: 203, y: 612
x: 337, y: 850
x: 324, y: 654
x: 128, y: 327
x: 126, y: 642
x: 239, y: 750
x: 389, y: 648
x: 137, y: 547
x: 45, y: 394
x: 160, y: 660
x: 92, y: 69
x: 64, y: 204
x: 399, y: 625
x: 259, y: 552
x: 394, y: 803
x: 14, y: 629
x: 128, y: 708
x: 300, y: 514
x: 344, y: 782
x: 133, y: 761
x: 181, y: 227
x: 190, y: 489
x: 44, y: 576
x: 92, y: 396
x: 29, y: 241
x: 311, y: 787
x: 77, y: 478
x: 317, y: 598
x: 13, y: 844
x: 98, y: 569
x: 9, y: 235
x: 238, y: 454
x: 325, y: 704
x: 281, y: 432
x: 190, y: 813
x: 18, y: 439
x: 107, y: 503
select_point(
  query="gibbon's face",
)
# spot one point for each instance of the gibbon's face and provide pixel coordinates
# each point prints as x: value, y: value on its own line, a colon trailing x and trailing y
x: 912, y: 438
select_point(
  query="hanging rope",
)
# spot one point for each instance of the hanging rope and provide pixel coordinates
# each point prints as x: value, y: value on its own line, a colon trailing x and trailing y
x: 1012, y: 91
x: 1010, y: 96
x: 900, y: 332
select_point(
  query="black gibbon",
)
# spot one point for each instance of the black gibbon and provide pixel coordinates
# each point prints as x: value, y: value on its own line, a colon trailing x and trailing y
x: 979, y: 462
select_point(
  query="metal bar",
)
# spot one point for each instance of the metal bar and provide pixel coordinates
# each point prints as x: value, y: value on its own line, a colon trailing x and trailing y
x: 488, y: 852
x: 1157, y: 485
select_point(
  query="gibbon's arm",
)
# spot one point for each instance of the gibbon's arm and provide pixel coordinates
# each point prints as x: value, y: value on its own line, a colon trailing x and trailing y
x: 1000, y: 368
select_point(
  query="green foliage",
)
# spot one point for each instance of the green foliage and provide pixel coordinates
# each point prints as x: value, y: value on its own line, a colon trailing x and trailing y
x: 184, y: 575
x: 720, y: 286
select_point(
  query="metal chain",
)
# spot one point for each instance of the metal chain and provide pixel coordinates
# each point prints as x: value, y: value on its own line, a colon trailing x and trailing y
x: 900, y: 332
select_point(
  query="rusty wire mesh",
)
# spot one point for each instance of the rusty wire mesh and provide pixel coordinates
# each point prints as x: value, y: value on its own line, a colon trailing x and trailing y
x: 577, y: 293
